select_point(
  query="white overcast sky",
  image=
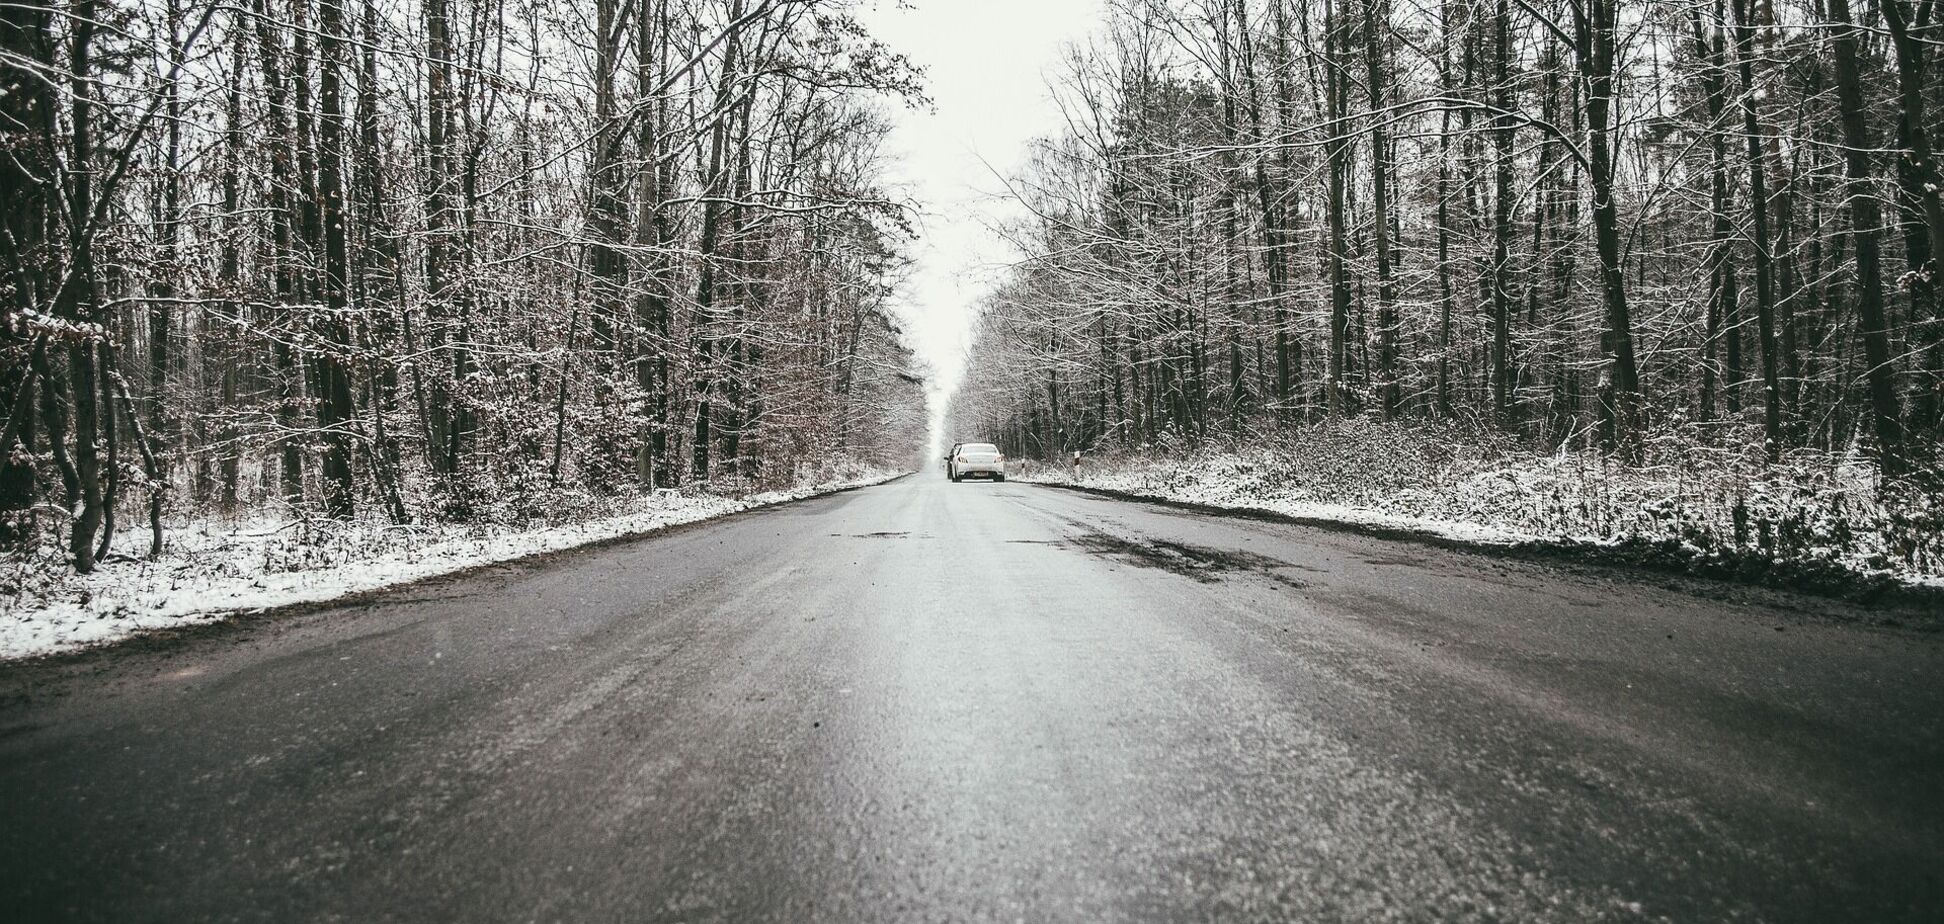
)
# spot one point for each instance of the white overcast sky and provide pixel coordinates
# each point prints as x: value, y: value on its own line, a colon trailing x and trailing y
x: 987, y: 63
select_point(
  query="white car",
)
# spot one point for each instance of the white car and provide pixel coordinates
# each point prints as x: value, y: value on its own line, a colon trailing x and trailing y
x: 975, y: 460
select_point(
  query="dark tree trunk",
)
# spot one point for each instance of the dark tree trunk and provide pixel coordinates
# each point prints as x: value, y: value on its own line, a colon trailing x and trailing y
x: 77, y: 303
x: 282, y: 193
x: 1723, y: 326
x: 1594, y: 36
x: 1865, y: 224
x: 652, y: 232
x: 336, y: 408
x: 1764, y: 258
x: 445, y: 427
x: 1502, y: 127
x: 1377, y: 68
x: 28, y: 173
x: 1922, y: 182
x: 1336, y: 90
x: 705, y: 287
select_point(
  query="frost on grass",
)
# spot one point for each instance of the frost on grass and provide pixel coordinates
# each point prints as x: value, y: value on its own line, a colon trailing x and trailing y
x: 1814, y: 517
x: 212, y: 568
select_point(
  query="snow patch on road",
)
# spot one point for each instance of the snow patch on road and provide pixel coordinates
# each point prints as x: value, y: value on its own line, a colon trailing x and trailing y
x: 212, y: 569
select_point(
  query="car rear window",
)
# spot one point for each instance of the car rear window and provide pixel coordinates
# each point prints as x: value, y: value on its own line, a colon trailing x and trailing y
x: 976, y: 448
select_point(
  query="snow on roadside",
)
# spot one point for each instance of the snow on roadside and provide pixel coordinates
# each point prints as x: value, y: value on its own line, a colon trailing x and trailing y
x: 1234, y: 495
x: 1794, y: 532
x: 212, y: 570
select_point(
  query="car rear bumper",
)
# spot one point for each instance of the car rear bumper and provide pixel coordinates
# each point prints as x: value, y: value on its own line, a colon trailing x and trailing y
x: 978, y: 469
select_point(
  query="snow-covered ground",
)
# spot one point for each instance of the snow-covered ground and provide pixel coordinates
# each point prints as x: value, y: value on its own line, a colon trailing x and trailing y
x: 1807, y: 522
x: 212, y: 569
x: 1207, y: 488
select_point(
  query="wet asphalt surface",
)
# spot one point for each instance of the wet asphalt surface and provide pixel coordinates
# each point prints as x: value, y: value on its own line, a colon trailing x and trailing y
x: 926, y: 701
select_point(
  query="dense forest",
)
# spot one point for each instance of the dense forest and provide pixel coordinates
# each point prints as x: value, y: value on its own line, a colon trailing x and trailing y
x: 419, y: 258
x: 1570, y: 225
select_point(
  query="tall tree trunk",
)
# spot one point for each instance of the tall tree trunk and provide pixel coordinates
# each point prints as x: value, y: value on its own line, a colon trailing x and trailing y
x: 283, y: 192
x: 1337, y: 149
x: 1922, y: 181
x: 29, y: 174
x: 79, y: 302
x: 705, y: 286
x: 444, y: 430
x: 653, y: 312
x: 336, y: 407
x: 1445, y: 295
x: 1760, y: 242
x: 1288, y: 376
x: 1377, y: 68
x: 378, y: 275
x: 162, y: 309
x: 1502, y: 126
x: 1595, y: 38
x: 222, y: 352
x: 1723, y: 325
x: 607, y: 265
x: 1865, y: 224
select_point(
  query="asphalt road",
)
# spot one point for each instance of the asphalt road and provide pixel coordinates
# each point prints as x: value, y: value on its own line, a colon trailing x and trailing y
x: 926, y: 701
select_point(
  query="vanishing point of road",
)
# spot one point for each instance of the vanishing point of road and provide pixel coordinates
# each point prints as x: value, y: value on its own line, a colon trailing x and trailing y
x: 935, y: 702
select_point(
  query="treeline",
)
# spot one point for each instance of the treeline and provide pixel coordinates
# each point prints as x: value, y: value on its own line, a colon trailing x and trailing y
x: 1575, y: 222
x: 422, y: 256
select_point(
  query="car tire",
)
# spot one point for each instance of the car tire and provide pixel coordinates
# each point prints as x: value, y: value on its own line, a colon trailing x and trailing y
x: 999, y: 478
x: 956, y: 479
